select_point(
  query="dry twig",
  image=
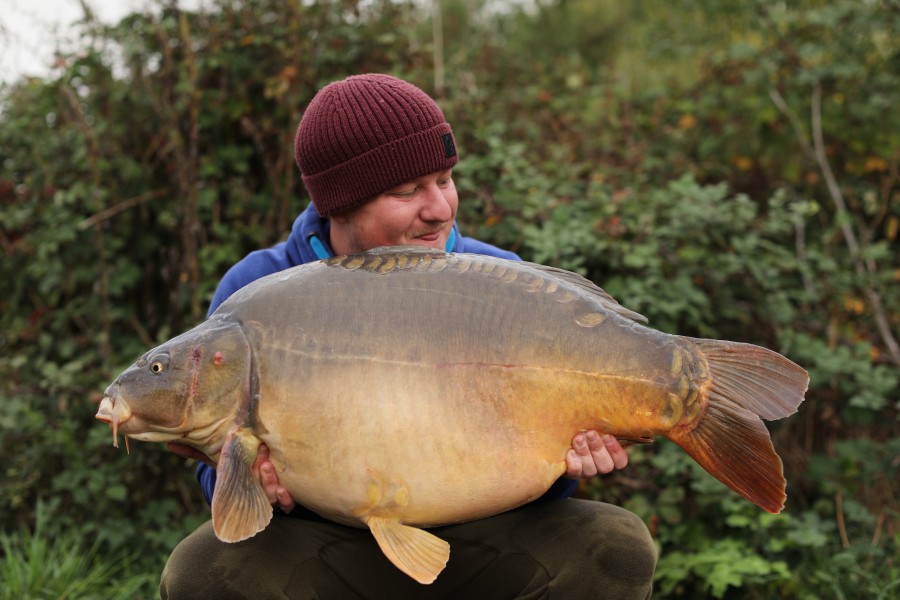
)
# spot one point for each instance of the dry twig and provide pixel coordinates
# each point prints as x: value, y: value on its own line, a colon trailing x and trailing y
x: 864, y: 267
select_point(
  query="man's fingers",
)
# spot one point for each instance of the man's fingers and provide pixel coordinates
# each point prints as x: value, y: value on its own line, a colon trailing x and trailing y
x: 269, y: 481
x: 573, y: 465
x: 284, y: 500
x: 616, y: 451
x: 592, y: 453
x: 582, y: 446
x: 268, y: 478
x: 601, y: 461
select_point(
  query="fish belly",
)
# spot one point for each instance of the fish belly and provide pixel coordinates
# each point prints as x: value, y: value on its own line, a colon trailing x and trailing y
x: 428, y: 444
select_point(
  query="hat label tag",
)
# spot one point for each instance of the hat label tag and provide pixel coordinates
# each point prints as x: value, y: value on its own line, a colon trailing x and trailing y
x: 449, y: 146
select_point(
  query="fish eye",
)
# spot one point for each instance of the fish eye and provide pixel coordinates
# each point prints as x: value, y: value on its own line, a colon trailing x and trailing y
x: 159, y: 364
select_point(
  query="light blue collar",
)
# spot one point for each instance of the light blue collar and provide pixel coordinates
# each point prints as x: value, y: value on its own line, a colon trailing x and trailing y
x: 451, y: 240
x: 318, y: 247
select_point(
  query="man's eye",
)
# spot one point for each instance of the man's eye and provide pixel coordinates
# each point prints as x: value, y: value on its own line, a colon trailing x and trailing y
x: 405, y: 194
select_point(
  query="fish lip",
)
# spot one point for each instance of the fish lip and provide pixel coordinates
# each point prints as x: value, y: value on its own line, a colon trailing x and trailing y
x: 113, y: 409
x: 105, y: 410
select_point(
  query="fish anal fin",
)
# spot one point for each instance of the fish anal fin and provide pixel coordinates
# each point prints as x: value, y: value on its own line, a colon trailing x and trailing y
x: 414, y: 551
x: 630, y: 440
x: 240, y: 508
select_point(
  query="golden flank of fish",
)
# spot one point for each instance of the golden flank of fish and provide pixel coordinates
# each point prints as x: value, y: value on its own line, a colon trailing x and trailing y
x: 389, y: 385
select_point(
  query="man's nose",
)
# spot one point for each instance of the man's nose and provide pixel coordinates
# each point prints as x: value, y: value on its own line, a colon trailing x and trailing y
x: 436, y: 205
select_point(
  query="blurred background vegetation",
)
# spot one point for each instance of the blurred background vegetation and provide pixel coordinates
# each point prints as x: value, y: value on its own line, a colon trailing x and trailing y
x: 729, y: 169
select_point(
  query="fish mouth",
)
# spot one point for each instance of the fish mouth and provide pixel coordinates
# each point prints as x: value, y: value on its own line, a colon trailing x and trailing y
x: 115, y: 411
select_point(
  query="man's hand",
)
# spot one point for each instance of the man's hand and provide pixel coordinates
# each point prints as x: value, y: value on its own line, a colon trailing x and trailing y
x: 592, y: 453
x: 189, y: 452
x: 265, y: 471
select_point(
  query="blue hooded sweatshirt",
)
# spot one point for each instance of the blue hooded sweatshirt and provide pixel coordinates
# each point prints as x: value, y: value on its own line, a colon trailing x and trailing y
x: 308, y: 242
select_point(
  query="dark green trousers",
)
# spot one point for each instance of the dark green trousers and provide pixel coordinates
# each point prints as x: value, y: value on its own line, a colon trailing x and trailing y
x: 562, y: 549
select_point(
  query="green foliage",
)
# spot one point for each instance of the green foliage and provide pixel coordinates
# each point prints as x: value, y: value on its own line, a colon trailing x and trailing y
x: 724, y: 563
x: 54, y: 563
x: 729, y: 170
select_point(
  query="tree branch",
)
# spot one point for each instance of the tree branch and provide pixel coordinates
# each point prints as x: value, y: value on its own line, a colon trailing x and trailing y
x: 794, y: 120
x: 865, y: 267
x: 122, y: 206
x: 834, y: 190
x: 815, y: 151
x: 437, y: 34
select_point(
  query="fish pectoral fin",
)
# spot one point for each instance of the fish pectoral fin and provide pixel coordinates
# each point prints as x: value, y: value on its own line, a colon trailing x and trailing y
x: 240, y: 508
x: 414, y: 551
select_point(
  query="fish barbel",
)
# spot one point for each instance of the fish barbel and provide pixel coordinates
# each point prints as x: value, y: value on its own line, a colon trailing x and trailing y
x: 388, y: 386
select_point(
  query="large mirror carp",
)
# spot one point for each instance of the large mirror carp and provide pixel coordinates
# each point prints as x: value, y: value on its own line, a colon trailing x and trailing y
x: 389, y: 385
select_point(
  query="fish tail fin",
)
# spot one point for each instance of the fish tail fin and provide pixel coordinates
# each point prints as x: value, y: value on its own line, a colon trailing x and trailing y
x: 746, y: 384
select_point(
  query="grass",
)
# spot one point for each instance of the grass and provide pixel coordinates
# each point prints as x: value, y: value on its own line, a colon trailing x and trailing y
x: 62, y: 565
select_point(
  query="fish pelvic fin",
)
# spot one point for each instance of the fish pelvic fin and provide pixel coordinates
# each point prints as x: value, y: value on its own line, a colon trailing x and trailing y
x: 240, y: 508
x: 414, y: 551
x: 746, y: 384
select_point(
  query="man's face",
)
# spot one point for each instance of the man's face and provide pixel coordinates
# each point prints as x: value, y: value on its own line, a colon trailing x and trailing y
x: 419, y: 212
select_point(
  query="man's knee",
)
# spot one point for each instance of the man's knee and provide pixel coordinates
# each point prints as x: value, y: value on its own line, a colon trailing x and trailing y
x: 617, y: 545
x: 201, y: 566
x: 289, y: 559
x: 183, y: 575
x: 633, y: 548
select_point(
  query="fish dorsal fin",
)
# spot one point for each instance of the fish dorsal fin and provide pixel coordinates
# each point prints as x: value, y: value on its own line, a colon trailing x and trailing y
x: 592, y: 288
x: 240, y: 508
x: 414, y: 551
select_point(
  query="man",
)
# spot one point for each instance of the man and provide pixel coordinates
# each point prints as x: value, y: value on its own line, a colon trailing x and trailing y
x: 376, y: 155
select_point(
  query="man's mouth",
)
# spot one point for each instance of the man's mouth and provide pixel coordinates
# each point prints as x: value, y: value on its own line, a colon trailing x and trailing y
x: 431, y: 236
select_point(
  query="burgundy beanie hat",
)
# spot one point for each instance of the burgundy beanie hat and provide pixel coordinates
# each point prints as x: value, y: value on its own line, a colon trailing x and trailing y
x: 367, y: 134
